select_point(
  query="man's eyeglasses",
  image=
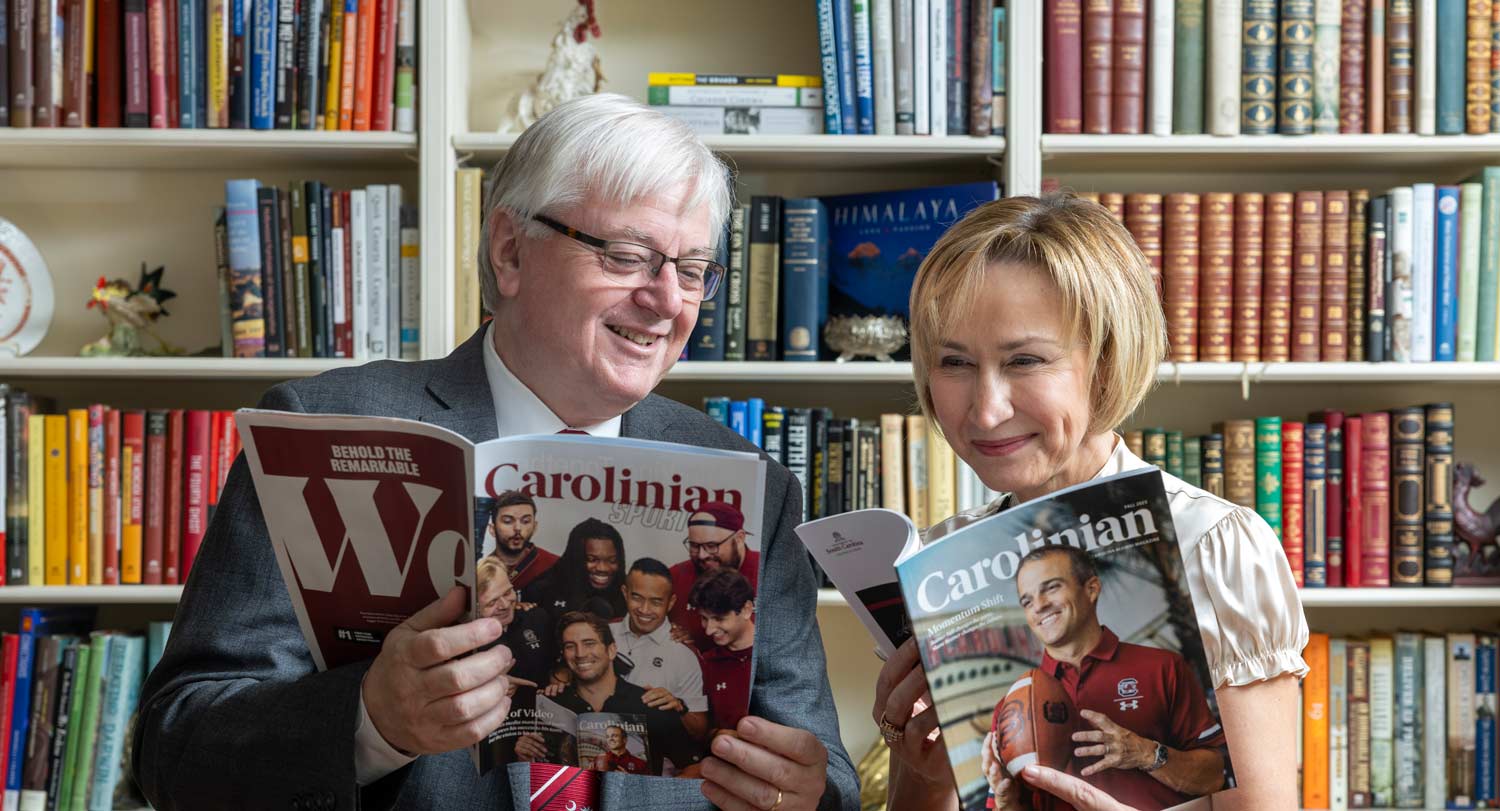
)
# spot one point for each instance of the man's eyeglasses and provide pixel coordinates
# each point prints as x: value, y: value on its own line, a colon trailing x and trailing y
x: 710, y: 548
x: 699, y: 278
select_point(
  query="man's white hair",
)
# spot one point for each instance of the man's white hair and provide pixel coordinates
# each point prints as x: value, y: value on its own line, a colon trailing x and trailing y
x: 607, y: 145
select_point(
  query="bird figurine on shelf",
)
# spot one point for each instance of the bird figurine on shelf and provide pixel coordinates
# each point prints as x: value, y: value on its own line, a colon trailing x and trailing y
x: 130, y: 311
x: 1477, y: 553
x: 572, y: 70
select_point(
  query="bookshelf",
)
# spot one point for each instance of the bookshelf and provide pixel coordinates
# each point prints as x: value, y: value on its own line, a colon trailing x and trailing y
x: 144, y: 194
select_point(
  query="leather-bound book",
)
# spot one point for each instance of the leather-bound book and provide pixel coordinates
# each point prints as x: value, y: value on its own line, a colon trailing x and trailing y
x: 1354, y: 513
x: 1315, y: 505
x: 1438, y: 521
x: 1335, y: 277
x: 1359, y: 205
x: 1295, y: 74
x: 1115, y: 202
x: 1375, y: 248
x: 1098, y: 58
x: 1180, y: 255
x: 1292, y: 529
x: 1375, y: 56
x: 1216, y: 282
x: 1307, y: 276
x: 1143, y: 220
x: 1375, y: 504
x: 1398, y: 71
x: 1477, y: 96
x: 1128, y: 71
x: 1062, y: 24
x: 1249, y: 264
x: 1352, y: 67
x: 1333, y: 493
x: 1408, y: 475
x: 1258, y: 68
x: 1239, y: 462
x: 1276, y: 284
x: 1213, y: 463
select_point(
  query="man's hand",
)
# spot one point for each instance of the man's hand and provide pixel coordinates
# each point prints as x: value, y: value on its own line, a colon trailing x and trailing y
x: 1071, y: 790
x: 424, y: 700
x: 765, y: 765
x: 660, y: 698
x: 1006, y: 790
x: 681, y: 634
x: 530, y: 746
x: 1118, y: 747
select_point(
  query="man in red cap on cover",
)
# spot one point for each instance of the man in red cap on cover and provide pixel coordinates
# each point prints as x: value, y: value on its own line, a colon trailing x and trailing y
x: 716, y: 540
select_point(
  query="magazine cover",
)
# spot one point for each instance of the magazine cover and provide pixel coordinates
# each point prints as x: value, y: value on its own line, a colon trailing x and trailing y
x: 623, y: 571
x: 856, y: 551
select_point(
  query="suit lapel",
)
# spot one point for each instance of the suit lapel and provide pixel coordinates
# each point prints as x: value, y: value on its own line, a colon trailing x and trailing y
x: 460, y: 391
x: 644, y: 420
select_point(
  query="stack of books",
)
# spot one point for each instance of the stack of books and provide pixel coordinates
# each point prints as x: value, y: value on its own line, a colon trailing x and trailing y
x: 716, y: 104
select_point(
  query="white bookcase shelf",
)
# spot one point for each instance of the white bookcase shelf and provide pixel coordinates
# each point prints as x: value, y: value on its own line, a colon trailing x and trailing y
x: 100, y: 595
x: 70, y: 148
x: 168, y: 368
x: 1063, y: 153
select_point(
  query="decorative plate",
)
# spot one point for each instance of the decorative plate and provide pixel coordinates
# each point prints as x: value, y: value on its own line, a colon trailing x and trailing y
x: 25, y: 292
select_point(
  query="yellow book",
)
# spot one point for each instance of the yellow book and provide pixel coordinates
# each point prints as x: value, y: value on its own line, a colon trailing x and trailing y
x: 892, y: 463
x: 916, y: 471
x: 36, y: 499
x: 466, y: 296
x: 779, y: 80
x: 56, y: 472
x: 96, y: 495
x: 335, y: 65
x: 942, y: 499
x: 78, y: 496
x: 1315, y: 724
x: 218, y: 64
x: 132, y: 497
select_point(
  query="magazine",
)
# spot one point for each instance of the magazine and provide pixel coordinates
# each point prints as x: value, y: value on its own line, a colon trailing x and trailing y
x: 1090, y: 574
x: 624, y: 571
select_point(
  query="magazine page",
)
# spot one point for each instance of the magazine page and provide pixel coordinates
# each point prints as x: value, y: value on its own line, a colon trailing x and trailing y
x: 625, y: 573
x: 858, y: 552
x: 1066, y: 614
x: 615, y: 742
x: 370, y: 518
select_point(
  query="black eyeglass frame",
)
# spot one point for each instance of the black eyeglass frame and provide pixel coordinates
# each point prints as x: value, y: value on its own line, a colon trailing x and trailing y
x: 713, y: 272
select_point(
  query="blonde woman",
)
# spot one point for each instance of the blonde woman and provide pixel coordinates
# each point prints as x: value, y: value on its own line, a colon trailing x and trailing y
x: 1036, y: 331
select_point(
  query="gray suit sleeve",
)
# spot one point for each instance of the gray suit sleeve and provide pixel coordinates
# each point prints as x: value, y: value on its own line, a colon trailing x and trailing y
x: 791, y: 672
x: 236, y: 715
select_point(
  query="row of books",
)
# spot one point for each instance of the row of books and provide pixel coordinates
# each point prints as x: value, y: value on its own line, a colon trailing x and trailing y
x: 1407, y: 276
x: 310, y: 271
x: 68, y: 698
x: 718, y: 104
x: 209, y: 64
x: 1258, y: 67
x: 1357, y: 500
x: 1399, y: 721
x: 912, y: 67
x: 104, y: 496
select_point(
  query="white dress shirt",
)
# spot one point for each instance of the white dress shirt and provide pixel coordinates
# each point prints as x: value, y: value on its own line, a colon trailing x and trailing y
x: 661, y: 661
x: 517, y: 411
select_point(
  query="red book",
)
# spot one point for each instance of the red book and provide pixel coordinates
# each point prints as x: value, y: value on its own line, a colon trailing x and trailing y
x: 174, y: 111
x: 1375, y: 498
x: 384, y: 107
x: 1352, y: 68
x: 75, y: 82
x: 171, y: 546
x: 1333, y: 493
x: 1216, y: 278
x: 216, y: 430
x: 1143, y: 220
x: 1276, y: 282
x: 1128, y: 95
x: 1307, y: 277
x: 1354, y: 519
x: 133, y: 443
x: 1062, y: 24
x: 195, y: 508
x: 1098, y: 58
x: 109, y: 62
x: 137, y: 70
x: 156, y: 61
x: 364, y: 66
x: 1249, y: 262
x: 1335, y: 282
x: 111, y: 497
x: 10, y: 650
x: 226, y: 445
x: 1291, y: 498
x: 156, y: 496
x: 1180, y: 254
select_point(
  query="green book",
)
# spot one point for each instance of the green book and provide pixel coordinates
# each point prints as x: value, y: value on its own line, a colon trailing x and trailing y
x: 1295, y: 101
x: 1407, y: 740
x: 82, y: 759
x: 75, y: 725
x: 1382, y: 721
x: 1154, y: 447
x: 1174, y: 453
x: 1258, y: 68
x: 1489, y: 259
x: 1470, y: 236
x: 1452, y: 19
x: 1268, y: 470
x: 1187, y: 68
x: 1326, y: 40
x: 1192, y: 460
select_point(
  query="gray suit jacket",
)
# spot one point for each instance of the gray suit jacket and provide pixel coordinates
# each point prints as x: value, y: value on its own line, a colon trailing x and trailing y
x: 236, y: 715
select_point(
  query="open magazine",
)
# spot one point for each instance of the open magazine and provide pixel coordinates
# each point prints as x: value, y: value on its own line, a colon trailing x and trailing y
x: 624, y: 571
x: 1091, y: 574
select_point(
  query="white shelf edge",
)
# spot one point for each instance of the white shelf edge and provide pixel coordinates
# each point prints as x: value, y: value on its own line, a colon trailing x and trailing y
x: 1117, y: 145
x: 205, y: 139
x: 1457, y: 597
x: 199, y: 368
x: 801, y: 151
x: 103, y: 595
x: 1169, y: 373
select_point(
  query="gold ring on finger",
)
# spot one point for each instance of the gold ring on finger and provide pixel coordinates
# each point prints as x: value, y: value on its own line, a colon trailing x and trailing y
x: 892, y: 733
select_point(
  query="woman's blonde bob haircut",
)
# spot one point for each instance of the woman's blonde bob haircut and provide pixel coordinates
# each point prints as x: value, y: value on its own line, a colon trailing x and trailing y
x: 1109, y: 299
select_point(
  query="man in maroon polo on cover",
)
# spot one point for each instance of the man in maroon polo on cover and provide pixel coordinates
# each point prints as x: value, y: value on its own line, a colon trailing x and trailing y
x: 726, y: 604
x: 1155, y: 743
x: 513, y: 521
x: 716, y: 540
x: 615, y: 757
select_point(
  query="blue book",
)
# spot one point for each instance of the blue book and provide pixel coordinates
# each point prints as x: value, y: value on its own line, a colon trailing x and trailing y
x: 187, y: 89
x: 1445, y: 276
x: 263, y: 65
x: 737, y: 418
x: 755, y: 413
x: 828, y: 57
x: 239, y: 83
x: 156, y: 642
x: 200, y: 61
x: 707, y: 340
x: 864, y: 71
x: 804, y: 276
x: 1315, y: 505
x: 122, y: 691
x: 717, y: 408
x: 241, y: 212
x: 1484, y: 720
x: 997, y: 68
x: 1451, y: 28
x: 35, y: 622
x: 877, y: 241
x: 843, y: 21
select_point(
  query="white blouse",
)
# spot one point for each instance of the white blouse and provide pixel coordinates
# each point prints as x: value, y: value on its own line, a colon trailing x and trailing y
x: 1248, y: 609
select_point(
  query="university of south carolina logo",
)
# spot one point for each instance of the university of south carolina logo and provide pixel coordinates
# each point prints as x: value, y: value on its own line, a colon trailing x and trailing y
x: 531, y: 639
x: 1129, y: 690
x: 657, y: 662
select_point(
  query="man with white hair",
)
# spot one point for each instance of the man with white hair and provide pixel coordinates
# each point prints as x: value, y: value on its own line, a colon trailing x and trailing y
x: 598, y: 246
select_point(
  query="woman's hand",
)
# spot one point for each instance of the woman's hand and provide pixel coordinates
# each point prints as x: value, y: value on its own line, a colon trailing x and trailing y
x: 1007, y: 791
x: 1071, y: 790
x: 902, y: 683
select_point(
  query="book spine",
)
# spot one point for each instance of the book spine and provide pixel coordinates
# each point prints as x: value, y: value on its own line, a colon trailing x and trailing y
x: 55, y: 471
x: 269, y: 230
x: 1494, y: 67
x: 1159, y: 67
x: 44, y: 20
x: 1335, y: 278
x: 921, y: 79
x: 1399, y: 294
x: 1359, y: 724
x: 349, y: 56
x: 1470, y: 206
x: 1452, y: 24
x: 170, y: 65
x: 1307, y: 277
x: 1439, y: 539
x: 734, y: 285
x: 1484, y: 724
x: 364, y: 65
x: 1485, y: 332
x: 980, y: 66
x: 882, y: 65
x: 1375, y: 61
x: 88, y: 739
x: 310, y: 222
x: 771, y: 428
x: 286, y: 276
x: 1354, y: 520
x: 1240, y: 463
x: 707, y: 339
x: 156, y: 497
x: 188, y: 36
x: 358, y: 276
x: 19, y: 440
x: 1225, y: 42
x: 1435, y: 724
x: 1295, y: 74
x: 1352, y: 67
x: 1258, y: 55
x: 1187, y: 68
x: 1334, y: 497
x: 70, y: 721
x: 156, y: 61
x: 917, y: 469
x: 1423, y: 272
x: 1154, y: 444
x: 78, y: 497
x: 864, y: 88
x: 1143, y: 218
x: 1445, y: 270
x: 1408, y: 724
x: 1249, y: 259
x: 1128, y: 68
x: 844, y: 42
x: 957, y: 39
x: 1398, y: 73
x: 799, y: 454
x: 803, y: 265
x: 1315, y: 723
x: 1375, y: 477
x: 1277, y: 325
x: 1477, y: 98
x: 1375, y: 272
x: 216, y: 66
x: 334, y: 80
x: 195, y: 507
x: 1314, y: 505
x: 377, y: 294
x: 764, y: 250
x: 1382, y: 721
x: 112, y: 522
x: 1338, y: 724
x: 19, y: 26
x: 1216, y: 304
x: 1359, y: 204
x: 1293, y: 541
x: 40, y: 730
x: 136, y: 89
x: 1327, y: 36
x: 1461, y: 720
x: 892, y: 463
x: 1424, y: 73
x: 1180, y: 258
x: 937, y: 31
x: 382, y: 110
x: 1268, y: 473
x: 411, y: 291
x: 406, y: 66
x: 171, y: 547
x: 75, y: 86
x: 262, y: 33
x: 36, y: 497
x: 1063, y: 63
x: 1213, y: 463
x: 1098, y: 55
x: 834, y: 488
x: 1192, y: 460
x: 240, y: 44
x: 904, y: 71
x: 133, y: 495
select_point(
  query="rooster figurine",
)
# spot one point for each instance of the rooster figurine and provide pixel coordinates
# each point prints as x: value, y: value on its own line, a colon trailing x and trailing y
x: 572, y: 70
x: 1478, y: 550
x: 130, y: 311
